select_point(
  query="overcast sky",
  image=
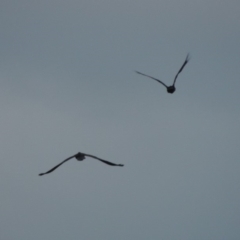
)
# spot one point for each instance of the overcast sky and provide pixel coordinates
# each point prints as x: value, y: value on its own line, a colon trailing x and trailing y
x: 68, y: 85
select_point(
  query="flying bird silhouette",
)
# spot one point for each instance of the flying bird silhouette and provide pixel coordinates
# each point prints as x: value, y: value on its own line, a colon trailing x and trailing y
x: 170, y: 89
x: 80, y: 157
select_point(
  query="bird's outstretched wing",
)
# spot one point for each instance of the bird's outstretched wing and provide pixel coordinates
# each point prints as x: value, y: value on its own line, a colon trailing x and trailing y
x: 184, y: 64
x: 52, y: 169
x: 104, y: 161
x: 152, y: 78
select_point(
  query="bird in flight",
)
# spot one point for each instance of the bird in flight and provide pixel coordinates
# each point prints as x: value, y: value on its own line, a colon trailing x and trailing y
x: 170, y: 89
x: 80, y: 157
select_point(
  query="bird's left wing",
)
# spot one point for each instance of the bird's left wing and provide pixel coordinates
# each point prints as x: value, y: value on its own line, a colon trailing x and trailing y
x: 152, y: 78
x: 52, y: 169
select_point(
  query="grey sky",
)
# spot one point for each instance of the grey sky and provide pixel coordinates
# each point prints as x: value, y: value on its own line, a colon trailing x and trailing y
x: 68, y: 85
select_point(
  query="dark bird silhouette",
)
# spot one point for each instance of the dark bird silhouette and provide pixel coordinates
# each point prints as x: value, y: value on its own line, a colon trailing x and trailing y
x: 170, y: 89
x: 80, y: 157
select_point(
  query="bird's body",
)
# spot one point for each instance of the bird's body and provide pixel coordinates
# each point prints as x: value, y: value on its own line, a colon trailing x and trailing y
x: 170, y: 89
x: 80, y: 157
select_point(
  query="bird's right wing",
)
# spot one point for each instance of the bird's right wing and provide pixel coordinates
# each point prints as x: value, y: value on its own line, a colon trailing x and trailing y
x: 152, y: 78
x: 184, y: 64
x: 104, y: 161
x: 52, y: 169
